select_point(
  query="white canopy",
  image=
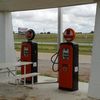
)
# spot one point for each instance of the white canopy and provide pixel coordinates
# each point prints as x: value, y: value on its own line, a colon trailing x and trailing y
x: 19, y: 5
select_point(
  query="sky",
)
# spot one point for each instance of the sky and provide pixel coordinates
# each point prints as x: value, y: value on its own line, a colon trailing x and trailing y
x: 80, y: 18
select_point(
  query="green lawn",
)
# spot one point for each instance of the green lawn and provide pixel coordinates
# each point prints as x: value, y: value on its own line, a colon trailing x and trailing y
x: 80, y: 38
x: 84, y: 38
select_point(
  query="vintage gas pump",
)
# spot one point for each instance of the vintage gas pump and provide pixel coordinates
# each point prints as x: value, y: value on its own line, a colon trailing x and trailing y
x: 29, y: 53
x: 67, y: 62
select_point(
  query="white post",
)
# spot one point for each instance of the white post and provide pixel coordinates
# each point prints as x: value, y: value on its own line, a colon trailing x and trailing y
x: 60, y: 26
x: 7, y: 51
x: 94, y: 85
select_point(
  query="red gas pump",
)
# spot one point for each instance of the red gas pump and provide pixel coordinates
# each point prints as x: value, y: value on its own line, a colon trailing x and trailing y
x: 67, y: 62
x: 29, y: 54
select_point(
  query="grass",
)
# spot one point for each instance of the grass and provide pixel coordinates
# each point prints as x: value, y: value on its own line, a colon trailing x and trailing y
x: 51, y: 48
x: 84, y: 38
x: 47, y: 48
x: 80, y: 38
x: 38, y: 38
x: 85, y: 50
x: 46, y: 38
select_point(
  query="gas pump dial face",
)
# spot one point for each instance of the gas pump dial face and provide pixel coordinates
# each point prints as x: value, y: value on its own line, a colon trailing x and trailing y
x: 69, y: 34
x: 30, y: 34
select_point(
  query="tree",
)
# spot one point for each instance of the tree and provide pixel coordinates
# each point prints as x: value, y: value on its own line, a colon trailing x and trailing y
x: 48, y: 33
x: 92, y: 32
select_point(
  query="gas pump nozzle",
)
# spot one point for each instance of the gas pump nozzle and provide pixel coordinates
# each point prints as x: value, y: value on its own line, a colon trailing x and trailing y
x: 54, y: 61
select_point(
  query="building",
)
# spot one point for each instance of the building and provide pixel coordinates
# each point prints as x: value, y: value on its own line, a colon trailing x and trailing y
x: 22, y: 30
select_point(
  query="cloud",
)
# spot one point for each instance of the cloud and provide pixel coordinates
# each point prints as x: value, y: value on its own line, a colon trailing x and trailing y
x: 81, y: 18
x: 81, y: 11
x: 39, y: 20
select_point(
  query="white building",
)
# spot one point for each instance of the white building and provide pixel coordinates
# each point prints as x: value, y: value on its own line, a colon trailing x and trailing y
x: 22, y: 30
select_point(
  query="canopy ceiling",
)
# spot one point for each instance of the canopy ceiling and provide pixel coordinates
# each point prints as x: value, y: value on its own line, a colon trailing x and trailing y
x: 20, y: 5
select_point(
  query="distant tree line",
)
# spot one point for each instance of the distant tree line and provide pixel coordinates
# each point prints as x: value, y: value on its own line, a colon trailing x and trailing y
x: 45, y: 32
x: 92, y: 32
x: 83, y: 33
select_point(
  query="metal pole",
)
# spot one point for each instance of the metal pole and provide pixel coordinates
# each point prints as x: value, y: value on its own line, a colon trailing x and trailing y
x: 60, y: 20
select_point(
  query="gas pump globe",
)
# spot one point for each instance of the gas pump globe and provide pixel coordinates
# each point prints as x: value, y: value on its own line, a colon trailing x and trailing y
x: 69, y: 35
x: 30, y: 34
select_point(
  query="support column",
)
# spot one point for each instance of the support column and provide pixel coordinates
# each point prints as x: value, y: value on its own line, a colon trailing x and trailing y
x: 60, y: 26
x: 7, y: 51
x: 94, y: 85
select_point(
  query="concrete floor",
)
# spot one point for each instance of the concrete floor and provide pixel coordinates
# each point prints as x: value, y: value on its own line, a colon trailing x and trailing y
x: 47, y: 91
x: 50, y: 91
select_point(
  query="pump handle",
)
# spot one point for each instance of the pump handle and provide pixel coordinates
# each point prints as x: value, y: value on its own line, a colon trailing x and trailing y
x: 54, y: 61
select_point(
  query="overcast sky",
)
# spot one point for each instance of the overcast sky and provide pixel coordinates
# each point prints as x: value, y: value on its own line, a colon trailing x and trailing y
x: 81, y: 18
